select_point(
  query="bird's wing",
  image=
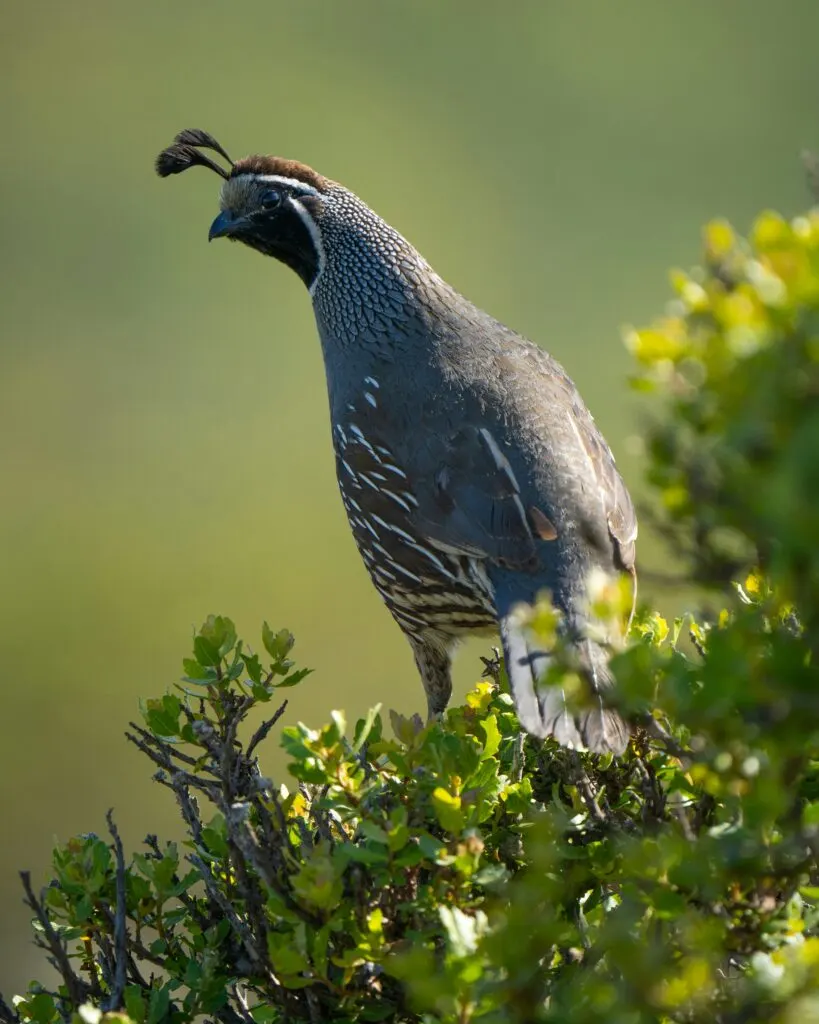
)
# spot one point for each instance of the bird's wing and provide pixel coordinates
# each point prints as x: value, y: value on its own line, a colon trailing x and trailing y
x: 458, y: 488
x: 471, y: 502
x: 471, y: 497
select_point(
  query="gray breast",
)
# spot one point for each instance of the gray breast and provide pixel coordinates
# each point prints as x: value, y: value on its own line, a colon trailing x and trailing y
x: 425, y: 586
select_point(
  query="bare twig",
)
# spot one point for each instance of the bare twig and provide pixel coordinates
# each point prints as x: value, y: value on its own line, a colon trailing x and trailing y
x: 657, y: 732
x: 114, y: 1000
x: 249, y: 892
x: 230, y: 763
x: 320, y: 819
x: 652, y: 793
x: 228, y: 1015
x: 697, y: 643
x: 238, y: 926
x: 519, y: 757
x: 240, y: 995
x: 210, y: 787
x: 78, y: 990
x: 189, y: 808
x: 156, y: 749
x: 263, y: 730
x: 252, y: 852
x: 7, y: 1015
x: 314, y: 1007
x: 136, y: 948
x: 277, y: 844
x: 587, y: 794
x: 685, y: 825
x: 190, y: 904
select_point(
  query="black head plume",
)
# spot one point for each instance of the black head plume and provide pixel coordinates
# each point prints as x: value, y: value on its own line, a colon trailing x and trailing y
x: 184, y: 154
x: 197, y: 137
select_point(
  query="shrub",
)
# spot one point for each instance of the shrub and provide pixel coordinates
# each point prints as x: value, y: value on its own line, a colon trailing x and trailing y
x: 457, y: 872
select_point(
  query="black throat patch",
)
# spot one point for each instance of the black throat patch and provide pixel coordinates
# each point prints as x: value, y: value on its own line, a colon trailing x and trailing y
x: 284, y: 235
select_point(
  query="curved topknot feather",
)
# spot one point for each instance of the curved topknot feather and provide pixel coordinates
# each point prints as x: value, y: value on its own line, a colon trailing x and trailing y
x: 180, y: 156
x: 199, y: 137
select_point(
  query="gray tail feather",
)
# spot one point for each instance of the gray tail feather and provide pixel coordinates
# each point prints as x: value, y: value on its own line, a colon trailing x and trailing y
x: 542, y: 709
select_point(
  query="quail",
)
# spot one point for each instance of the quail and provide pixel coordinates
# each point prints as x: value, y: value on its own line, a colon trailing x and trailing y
x: 472, y: 474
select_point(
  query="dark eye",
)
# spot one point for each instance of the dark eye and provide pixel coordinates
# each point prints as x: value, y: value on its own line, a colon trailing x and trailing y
x: 271, y: 199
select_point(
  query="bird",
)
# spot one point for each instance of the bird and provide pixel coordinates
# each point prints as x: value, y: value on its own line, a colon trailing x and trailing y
x: 473, y: 476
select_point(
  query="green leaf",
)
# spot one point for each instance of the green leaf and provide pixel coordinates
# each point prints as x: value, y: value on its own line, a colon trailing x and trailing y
x: 333, y: 733
x: 370, y: 855
x: 135, y: 1003
x: 318, y: 880
x: 158, y: 1005
x: 214, y: 836
x: 284, y: 955
x: 220, y: 633
x: 293, y: 679
x: 278, y: 645
x: 429, y: 845
x: 412, y: 855
x: 41, y: 1008
x: 398, y: 837
x: 205, y: 653
x: 194, y: 671
x: 253, y: 667
x: 374, y: 832
x: 265, y: 1014
x: 492, y: 735
x: 364, y: 727
x: 165, y: 869
x: 235, y: 670
x: 162, y: 716
x: 378, y: 1010
x: 448, y: 810
x: 319, y: 944
x: 261, y: 692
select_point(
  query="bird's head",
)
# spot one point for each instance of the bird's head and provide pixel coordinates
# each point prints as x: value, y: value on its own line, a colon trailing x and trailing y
x: 269, y: 203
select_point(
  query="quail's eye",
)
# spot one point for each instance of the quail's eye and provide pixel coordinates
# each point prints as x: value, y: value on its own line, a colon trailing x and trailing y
x: 271, y: 199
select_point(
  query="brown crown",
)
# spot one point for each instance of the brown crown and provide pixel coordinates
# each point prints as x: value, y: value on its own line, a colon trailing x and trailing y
x: 259, y: 164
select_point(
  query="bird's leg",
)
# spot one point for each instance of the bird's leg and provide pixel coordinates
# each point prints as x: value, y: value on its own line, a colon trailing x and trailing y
x: 434, y: 665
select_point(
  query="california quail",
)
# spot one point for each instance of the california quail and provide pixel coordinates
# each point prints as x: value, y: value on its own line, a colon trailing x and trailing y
x: 472, y: 473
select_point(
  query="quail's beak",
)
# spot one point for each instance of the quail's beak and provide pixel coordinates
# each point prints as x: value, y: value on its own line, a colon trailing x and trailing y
x: 224, y: 226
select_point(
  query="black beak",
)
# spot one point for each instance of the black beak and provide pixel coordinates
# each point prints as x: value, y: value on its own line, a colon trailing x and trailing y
x: 224, y: 225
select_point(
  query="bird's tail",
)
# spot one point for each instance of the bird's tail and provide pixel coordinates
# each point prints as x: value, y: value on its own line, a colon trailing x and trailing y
x: 542, y: 708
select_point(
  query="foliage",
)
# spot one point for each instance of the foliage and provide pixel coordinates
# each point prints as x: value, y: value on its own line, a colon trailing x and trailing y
x: 456, y: 872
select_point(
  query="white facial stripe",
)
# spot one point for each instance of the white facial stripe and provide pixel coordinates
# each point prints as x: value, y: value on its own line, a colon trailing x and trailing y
x: 315, y: 235
x: 278, y: 179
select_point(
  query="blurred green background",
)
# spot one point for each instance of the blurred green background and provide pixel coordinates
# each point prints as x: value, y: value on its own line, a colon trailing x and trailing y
x: 164, y: 448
